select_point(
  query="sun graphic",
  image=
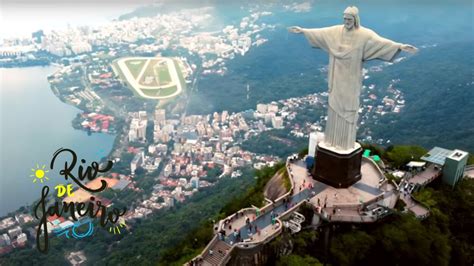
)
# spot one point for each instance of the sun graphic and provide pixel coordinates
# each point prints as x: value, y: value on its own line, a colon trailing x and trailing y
x: 39, y: 173
x: 116, y: 229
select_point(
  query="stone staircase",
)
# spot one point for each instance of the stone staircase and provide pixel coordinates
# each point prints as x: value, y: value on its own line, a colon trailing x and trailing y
x: 219, y: 251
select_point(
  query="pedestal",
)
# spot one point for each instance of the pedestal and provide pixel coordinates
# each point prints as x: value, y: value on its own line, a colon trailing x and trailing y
x: 339, y: 169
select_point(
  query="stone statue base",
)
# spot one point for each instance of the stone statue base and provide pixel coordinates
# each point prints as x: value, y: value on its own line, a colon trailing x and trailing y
x: 339, y: 169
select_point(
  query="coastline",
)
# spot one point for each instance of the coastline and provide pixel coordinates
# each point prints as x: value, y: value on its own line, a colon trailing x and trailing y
x: 65, y: 134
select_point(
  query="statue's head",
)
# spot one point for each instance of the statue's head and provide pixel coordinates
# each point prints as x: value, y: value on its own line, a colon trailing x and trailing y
x: 351, y: 18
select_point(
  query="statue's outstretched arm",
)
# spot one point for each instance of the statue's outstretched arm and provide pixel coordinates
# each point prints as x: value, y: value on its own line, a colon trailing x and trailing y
x: 295, y: 29
x: 408, y: 48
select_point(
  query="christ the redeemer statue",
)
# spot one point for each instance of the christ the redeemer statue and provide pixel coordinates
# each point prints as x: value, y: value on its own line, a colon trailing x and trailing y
x: 348, y: 46
x: 338, y: 157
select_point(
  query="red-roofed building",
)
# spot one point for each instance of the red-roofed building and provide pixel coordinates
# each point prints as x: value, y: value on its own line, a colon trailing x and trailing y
x: 169, y: 183
x: 105, y: 125
x: 52, y: 218
x: 247, y: 157
x: 133, y: 150
x: 105, y: 76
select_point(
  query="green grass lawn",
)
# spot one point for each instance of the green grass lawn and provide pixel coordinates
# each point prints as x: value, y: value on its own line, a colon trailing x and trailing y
x: 150, y: 92
x: 180, y: 74
x: 149, y: 71
x: 135, y: 66
x: 168, y: 91
x: 163, y: 74
x: 160, y: 92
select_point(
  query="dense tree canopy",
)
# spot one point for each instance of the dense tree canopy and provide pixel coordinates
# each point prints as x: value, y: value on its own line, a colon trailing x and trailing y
x: 398, y: 156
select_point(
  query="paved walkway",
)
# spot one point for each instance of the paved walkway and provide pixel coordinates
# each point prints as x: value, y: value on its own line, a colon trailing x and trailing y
x: 342, y: 205
x: 366, y: 188
x: 419, y: 210
x: 302, y: 181
x: 426, y: 176
x: 300, y: 176
x: 219, y: 253
x: 264, y: 221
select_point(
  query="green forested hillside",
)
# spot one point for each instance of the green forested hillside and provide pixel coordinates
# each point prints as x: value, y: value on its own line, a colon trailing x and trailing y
x: 438, y: 85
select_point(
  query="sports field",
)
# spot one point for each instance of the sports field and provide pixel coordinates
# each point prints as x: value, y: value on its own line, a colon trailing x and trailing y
x: 151, y: 77
x: 135, y: 66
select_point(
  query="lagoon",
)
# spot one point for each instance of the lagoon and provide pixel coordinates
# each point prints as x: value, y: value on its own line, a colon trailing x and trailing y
x: 34, y: 124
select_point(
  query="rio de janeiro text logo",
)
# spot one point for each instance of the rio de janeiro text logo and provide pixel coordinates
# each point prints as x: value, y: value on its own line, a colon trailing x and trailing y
x: 92, y: 209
